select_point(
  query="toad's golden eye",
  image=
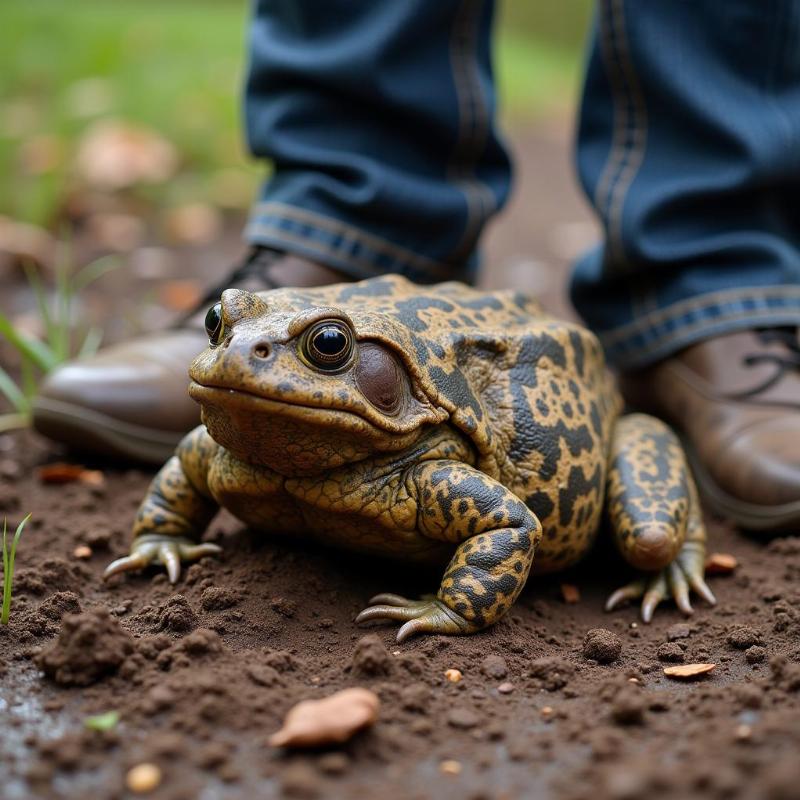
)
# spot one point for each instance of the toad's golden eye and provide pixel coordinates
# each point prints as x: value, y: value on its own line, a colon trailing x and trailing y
x: 215, y: 327
x: 328, y: 345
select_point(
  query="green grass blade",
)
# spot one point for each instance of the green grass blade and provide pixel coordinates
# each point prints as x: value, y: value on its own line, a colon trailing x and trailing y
x: 93, y: 271
x: 61, y: 345
x: 6, y: 579
x: 8, y: 568
x: 91, y: 342
x: 102, y: 722
x: 40, y: 294
x: 32, y: 349
x: 13, y: 422
x: 13, y: 393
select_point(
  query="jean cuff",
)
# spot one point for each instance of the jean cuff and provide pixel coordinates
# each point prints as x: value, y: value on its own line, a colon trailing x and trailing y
x: 662, y: 332
x: 341, y: 245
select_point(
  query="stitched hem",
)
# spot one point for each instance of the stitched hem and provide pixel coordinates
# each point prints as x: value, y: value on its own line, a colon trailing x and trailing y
x: 340, y: 245
x: 660, y: 333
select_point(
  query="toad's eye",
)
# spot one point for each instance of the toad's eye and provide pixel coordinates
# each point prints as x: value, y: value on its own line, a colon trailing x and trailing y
x: 215, y: 327
x: 328, y: 345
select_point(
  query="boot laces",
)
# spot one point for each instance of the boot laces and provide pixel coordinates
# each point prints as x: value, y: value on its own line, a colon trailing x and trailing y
x: 785, y: 362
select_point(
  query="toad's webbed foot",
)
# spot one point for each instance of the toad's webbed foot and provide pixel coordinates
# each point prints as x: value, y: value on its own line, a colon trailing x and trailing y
x: 161, y: 549
x: 428, y: 615
x: 685, y: 573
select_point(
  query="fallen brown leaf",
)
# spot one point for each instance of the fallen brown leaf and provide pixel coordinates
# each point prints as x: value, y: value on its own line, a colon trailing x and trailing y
x: 331, y: 720
x: 688, y: 670
x: 69, y: 473
x: 721, y: 564
x: 183, y: 295
x: 114, y: 155
x: 570, y: 593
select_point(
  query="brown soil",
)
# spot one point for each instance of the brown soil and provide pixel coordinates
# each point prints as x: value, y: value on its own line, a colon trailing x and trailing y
x: 558, y: 700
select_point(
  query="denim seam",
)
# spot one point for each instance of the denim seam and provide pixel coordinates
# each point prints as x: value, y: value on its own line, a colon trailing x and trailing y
x: 337, y: 227
x: 628, y: 146
x: 632, y: 355
x: 696, y: 305
x: 473, y: 126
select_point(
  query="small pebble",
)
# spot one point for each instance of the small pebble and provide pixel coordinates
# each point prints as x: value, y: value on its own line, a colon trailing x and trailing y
x: 82, y: 551
x: 743, y: 732
x: 143, y: 778
x: 678, y: 631
x: 547, y: 712
x: 453, y: 675
x: 506, y: 687
x: 450, y: 767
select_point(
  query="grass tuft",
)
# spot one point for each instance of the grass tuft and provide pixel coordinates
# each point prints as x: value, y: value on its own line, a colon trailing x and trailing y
x: 62, y: 340
x: 8, y: 567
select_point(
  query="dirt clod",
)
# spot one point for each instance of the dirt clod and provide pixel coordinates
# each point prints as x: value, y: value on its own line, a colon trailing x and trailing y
x: 371, y: 658
x: 755, y: 654
x: 744, y: 637
x: 671, y: 652
x: 495, y: 667
x: 89, y: 646
x: 602, y: 645
x: 177, y: 615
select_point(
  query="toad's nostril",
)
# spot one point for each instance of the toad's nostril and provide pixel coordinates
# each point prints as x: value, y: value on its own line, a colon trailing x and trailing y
x: 261, y: 350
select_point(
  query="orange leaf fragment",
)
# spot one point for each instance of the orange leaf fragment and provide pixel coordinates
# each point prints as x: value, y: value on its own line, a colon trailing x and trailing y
x: 721, y: 564
x: 180, y: 295
x: 688, y: 670
x: 331, y: 720
x: 68, y: 473
x: 570, y: 593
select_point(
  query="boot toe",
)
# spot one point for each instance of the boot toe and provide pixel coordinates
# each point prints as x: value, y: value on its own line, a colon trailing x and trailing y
x: 129, y: 400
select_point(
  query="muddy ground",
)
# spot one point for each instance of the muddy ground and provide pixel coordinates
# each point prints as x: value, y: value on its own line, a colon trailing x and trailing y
x: 202, y: 673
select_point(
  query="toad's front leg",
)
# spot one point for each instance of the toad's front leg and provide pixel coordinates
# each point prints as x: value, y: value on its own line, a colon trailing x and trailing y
x: 174, y: 513
x: 496, y: 535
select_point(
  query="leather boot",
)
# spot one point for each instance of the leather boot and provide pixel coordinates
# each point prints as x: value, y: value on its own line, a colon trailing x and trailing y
x: 735, y: 400
x: 130, y: 400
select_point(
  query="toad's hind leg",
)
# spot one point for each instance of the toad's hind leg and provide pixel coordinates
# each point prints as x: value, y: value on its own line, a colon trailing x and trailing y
x: 655, y: 515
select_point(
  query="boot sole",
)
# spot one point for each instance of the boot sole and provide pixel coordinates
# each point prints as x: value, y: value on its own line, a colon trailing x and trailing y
x: 783, y: 518
x: 89, y: 430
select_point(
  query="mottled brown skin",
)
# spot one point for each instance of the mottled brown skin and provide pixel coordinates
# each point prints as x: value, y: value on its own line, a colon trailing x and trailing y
x: 451, y: 423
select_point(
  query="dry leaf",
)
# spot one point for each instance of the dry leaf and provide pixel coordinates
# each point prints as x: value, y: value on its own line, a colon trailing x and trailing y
x: 116, y: 155
x: 118, y: 232
x: 721, y: 564
x: 197, y: 223
x: 331, y: 720
x: 570, y: 593
x: 23, y: 241
x: 182, y: 295
x: 688, y: 670
x: 68, y: 473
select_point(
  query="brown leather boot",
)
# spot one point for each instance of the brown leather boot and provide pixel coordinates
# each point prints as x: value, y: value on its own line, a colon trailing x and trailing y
x: 130, y: 399
x: 735, y: 400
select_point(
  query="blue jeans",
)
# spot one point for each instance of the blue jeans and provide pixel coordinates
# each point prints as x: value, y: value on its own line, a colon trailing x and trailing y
x: 379, y: 119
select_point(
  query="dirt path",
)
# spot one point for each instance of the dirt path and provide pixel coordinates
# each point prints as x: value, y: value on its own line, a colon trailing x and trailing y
x: 203, y: 672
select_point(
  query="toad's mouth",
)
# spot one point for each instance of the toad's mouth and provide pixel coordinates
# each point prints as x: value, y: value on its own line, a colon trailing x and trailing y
x: 228, y: 399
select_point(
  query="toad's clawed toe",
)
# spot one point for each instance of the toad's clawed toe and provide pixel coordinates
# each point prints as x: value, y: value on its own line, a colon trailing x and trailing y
x: 428, y: 615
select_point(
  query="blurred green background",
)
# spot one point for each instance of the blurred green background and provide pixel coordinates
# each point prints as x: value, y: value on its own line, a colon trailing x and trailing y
x: 175, y: 66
